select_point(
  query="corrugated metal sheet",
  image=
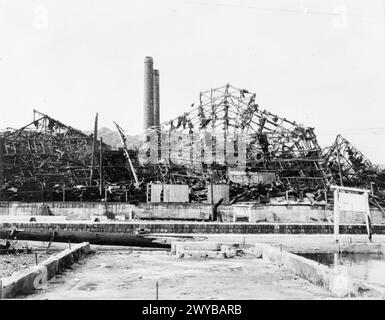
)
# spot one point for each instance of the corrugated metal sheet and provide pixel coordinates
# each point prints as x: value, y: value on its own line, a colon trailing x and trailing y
x: 261, y: 177
x: 171, y: 193
x: 175, y: 193
x: 219, y: 191
x: 156, y: 190
x: 252, y: 177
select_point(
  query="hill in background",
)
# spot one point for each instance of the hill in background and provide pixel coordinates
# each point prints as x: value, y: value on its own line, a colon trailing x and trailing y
x: 113, y: 139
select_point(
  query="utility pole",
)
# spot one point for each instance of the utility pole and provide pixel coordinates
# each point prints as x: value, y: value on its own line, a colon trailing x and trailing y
x: 94, y: 148
x: 213, y: 215
x: 101, y: 167
x: 1, y: 174
x: 338, y: 161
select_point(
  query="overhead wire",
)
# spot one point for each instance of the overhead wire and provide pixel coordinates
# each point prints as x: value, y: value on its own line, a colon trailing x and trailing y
x: 281, y: 10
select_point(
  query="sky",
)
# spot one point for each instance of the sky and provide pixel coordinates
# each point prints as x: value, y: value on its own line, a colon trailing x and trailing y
x: 319, y: 63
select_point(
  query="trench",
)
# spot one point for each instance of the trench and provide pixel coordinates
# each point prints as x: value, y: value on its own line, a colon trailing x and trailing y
x: 367, y: 267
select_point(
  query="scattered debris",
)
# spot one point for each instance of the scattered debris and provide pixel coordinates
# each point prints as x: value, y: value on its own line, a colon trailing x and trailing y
x: 47, y: 160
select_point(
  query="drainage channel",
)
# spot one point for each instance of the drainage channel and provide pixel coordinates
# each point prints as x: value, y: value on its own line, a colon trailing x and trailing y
x: 367, y: 267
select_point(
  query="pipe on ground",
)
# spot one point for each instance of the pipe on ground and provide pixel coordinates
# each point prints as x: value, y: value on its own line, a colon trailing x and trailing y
x: 100, y: 238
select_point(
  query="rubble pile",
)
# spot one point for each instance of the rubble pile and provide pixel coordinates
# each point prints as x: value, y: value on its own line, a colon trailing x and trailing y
x: 351, y: 168
x: 47, y: 160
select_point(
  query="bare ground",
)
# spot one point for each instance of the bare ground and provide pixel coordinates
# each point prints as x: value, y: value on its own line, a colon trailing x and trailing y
x: 10, y: 263
x: 127, y: 274
x: 14, y: 262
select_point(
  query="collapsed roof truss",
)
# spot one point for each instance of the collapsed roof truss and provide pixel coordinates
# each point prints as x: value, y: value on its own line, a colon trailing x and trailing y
x: 348, y: 164
x: 45, y: 154
x: 273, y: 142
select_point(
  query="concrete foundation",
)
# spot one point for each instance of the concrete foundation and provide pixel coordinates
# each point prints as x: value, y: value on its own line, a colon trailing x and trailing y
x: 27, y: 281
x: 207, y: 249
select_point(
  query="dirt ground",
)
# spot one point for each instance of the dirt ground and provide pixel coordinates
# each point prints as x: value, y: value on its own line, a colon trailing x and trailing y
x: 10, y: 263
x: 115, y: 272
x: 129, y: 274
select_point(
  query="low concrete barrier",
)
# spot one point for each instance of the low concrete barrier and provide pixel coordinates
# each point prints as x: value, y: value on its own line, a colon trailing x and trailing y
x: 26, y: 281
x: 209, y: 249
x: 196, y: 245
x: 199, y: 254
x: 336, y: 281
x: 361, y: 248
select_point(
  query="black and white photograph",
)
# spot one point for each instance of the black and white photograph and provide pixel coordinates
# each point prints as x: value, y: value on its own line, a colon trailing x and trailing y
x: 192, y: 155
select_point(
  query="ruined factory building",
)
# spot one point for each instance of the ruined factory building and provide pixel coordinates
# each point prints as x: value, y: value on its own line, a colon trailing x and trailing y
x: 226, y: 138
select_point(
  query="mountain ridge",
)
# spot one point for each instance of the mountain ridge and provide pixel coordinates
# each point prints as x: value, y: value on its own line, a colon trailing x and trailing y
x: 113, y: 138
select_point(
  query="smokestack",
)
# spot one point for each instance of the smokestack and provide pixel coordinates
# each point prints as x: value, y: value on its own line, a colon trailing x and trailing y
x: 148, y: 119
x: 156, y: 97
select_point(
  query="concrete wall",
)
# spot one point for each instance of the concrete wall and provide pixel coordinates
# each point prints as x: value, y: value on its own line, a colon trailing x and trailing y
x: 76, y: 210
x: 184, y: 211
x: 84, y: 210
x: 253, y: 213
x: 294, y: 214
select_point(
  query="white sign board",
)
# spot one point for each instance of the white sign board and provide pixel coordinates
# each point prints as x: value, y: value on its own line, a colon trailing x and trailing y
x: 352, y: 200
